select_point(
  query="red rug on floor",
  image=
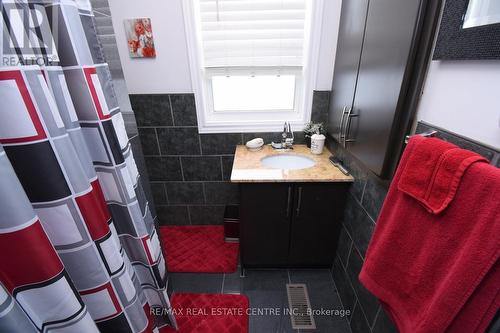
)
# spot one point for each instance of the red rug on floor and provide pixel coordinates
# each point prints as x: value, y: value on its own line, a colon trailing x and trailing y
x: 199, y: 249
x: 209, y: 313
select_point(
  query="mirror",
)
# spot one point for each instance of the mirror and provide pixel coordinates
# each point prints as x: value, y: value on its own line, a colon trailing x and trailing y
x: 469, y: 30
x: 482, y: 12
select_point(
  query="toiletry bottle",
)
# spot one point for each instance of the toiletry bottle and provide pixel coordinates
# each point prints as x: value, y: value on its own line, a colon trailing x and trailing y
x: 317, y: 144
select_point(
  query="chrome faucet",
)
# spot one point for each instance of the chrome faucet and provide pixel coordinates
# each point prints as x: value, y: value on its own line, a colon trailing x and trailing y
x: 287, y: 138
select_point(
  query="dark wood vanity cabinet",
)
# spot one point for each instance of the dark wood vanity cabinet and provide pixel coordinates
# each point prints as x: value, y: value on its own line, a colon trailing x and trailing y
x: 290, y: 224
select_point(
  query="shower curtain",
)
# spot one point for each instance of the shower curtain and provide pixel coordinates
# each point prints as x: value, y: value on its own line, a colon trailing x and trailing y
x: 79, y: 251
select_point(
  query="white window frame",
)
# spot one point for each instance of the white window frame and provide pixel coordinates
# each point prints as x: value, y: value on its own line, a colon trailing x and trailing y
x: 252, y: 121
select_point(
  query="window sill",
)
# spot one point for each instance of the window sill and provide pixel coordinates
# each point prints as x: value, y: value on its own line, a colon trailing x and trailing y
x: 251, y: 127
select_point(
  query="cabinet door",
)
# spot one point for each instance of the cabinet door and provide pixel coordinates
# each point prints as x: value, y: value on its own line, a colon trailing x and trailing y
x: 265, y: 213
x: 382, y: 73
x: 318, y: 211
x: 350, y: 43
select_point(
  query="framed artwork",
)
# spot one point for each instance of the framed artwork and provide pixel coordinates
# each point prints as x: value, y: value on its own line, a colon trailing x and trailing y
x: 139, y: 33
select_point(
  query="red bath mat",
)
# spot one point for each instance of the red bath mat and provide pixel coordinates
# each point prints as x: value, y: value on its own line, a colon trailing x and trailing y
x: 199, y: 249
x: 210, y: 313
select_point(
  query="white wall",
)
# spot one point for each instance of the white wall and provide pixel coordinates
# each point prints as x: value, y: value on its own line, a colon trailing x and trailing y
x: 464, y: 97
x: 169, y: 71
x: 328, y: 43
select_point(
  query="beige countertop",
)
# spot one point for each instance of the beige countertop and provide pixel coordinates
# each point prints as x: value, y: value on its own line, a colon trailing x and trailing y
x: 247, y: 167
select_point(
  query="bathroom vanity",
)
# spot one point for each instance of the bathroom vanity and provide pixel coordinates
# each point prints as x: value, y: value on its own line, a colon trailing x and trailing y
x: 289, y: 217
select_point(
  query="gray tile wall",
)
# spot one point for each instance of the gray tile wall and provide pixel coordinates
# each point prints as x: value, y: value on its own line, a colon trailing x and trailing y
x: 364, y: 202
x: 363, y: 206
x: 189, y: 172
x: 106, y: 36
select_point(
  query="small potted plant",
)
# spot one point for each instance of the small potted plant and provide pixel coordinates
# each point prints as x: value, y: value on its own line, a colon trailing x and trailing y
x: 311, y: 129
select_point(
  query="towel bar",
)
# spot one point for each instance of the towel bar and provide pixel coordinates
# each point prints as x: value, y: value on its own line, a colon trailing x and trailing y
x: 427, y: 134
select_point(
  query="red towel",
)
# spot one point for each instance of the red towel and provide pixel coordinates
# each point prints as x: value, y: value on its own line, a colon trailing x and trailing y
x: 433, y: 260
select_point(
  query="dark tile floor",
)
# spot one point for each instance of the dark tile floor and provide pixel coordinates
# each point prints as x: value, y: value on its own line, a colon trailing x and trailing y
x: 267, y: 289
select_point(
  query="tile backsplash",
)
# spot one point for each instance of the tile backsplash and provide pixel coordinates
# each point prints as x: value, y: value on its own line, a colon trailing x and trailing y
x: 189, y: 172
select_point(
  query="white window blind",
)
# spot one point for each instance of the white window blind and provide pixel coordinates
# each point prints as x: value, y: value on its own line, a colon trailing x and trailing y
x: 252, y: 33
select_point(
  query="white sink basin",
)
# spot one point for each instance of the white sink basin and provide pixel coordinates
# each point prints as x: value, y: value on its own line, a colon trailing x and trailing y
x: 287, y: 161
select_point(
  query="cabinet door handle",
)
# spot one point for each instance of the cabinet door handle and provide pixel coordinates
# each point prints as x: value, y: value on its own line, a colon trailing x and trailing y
x: 289, y: 201
x: 299, y: 201
x: 347, y: 127
x: 341, y: 126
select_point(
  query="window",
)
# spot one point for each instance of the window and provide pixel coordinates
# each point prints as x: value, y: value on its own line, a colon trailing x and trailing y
x: 252, y: 62
x: 253, y: 93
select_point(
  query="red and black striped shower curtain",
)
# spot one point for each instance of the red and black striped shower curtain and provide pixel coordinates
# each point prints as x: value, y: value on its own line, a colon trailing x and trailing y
x: 79, y: 251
